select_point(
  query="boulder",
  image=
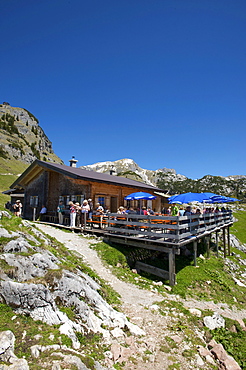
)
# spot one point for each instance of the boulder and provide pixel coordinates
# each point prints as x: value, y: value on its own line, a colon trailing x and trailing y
x: 213, y: 322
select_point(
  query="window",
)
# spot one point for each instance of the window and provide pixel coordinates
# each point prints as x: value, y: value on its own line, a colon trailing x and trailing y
x: 101, y: 200
x: 74, y: 198
x: 34, y: 201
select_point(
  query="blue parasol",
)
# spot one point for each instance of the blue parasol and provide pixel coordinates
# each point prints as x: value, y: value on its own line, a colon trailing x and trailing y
x: 140, y: 195
x: 190, y: 197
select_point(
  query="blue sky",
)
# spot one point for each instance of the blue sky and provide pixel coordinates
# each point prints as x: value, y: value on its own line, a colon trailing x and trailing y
x: 162, y: 82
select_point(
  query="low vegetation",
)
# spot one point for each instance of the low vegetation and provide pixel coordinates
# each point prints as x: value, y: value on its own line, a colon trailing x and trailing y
x: 210, y: 280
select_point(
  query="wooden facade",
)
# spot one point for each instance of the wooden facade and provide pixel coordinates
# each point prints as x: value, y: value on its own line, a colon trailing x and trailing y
x: 48, y: 183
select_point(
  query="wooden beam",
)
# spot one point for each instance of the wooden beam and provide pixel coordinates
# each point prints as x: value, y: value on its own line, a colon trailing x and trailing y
x: 172, y: 275
x: 195, y: 251
x: 224, y: 242
x: 228, y: 241
x: 152, y: 270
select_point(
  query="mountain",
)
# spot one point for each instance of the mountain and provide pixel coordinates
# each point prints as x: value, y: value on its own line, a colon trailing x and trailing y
x: 130, y: 169
x: 171, y: 182
x: 22, y: 138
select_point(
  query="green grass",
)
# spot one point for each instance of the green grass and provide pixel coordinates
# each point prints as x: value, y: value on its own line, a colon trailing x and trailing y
x: 238, y: 228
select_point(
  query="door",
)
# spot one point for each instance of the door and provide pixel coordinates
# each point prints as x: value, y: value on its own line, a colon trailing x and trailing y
x: 113, y: 204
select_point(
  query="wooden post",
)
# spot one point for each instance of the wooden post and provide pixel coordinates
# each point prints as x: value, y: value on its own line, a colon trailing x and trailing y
x: 171, y: 258
x: 216, y: 242
x: 224, y: 242
x: 195, y: 251
x: 34, y: 214
x: 228, y: 241
x: 207, y: 242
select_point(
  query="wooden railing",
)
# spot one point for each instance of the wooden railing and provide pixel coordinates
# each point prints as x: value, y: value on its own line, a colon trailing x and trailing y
x: 168, y: 229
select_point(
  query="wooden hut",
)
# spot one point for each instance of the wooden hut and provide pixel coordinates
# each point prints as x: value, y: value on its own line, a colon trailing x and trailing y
x: 47, y: 183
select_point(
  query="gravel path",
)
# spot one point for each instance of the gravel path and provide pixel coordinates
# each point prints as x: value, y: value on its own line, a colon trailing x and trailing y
x: 130, y: 294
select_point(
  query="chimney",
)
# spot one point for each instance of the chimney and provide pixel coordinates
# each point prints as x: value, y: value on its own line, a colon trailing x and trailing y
x: 73, y: 162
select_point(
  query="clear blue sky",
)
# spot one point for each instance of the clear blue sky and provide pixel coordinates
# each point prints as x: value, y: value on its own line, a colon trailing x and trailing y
x: 162, y: 82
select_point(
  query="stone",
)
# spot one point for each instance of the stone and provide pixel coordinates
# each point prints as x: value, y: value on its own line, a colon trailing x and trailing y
x: 231, y: 364
x: 195, y: 311
x: 210, y: 360
x: 199, y: 360
x: 203, y: 351
x: 117, y: 333
x: 7, y: 340
x: 212, y: 343
x: 167, y: 287
x: 215, y: 321
x: 219, y: 352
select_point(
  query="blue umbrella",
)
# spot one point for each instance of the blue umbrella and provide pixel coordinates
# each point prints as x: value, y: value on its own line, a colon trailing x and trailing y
x: 223, y: 199
x: 140, y: 195
x: 190, y: 197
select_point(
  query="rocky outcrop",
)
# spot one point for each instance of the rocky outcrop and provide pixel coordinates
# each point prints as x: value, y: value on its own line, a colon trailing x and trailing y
x: 33, y: 282
x: 22, y: 138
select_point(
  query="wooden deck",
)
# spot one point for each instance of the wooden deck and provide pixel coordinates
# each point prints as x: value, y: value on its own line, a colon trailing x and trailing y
x: 168, y: 234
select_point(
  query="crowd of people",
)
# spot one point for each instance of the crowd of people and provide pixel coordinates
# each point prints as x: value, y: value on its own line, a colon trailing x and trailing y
x: 175, y: 210
x: 80, y: 213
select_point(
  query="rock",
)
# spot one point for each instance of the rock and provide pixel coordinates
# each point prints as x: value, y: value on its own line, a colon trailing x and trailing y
x: 195, y: 311
x: 167, y: 287
x: 5, y: 234
x: 5, y: 214
x: 203, y: 351
x: 226, y: 361
x: 238, y: 282
x: 19, y: 245
x: 210, y: 360
x: 213, y: 322
x: 7, y: 340
x: 117, y: 333
x: 199, y: 360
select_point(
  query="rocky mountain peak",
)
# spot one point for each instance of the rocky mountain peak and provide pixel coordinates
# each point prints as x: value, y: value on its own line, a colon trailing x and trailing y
x: 22, y: 138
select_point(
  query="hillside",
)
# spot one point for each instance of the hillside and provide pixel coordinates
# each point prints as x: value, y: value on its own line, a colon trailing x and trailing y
x: 22, y: 140
x: 76, y: 304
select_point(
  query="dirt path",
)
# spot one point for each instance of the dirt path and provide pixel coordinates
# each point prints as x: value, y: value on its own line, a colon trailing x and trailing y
x: 138, y: 305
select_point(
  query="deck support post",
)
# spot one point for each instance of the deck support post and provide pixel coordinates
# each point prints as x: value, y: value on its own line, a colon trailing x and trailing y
x: 171, y: 259
x: 195, y: 251
x: 217, y: 243
x: 228, y: 241
x: 224, y: 241
x: 207, y: 243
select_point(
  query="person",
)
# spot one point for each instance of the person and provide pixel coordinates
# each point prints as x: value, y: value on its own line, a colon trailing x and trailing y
x: 85, y: 209
x: 144, y: 211
x: 198, y: 211
x: 188, y: 211
x: 150, y: 211
x: 42, y: 212
x: 91, y: 209
x: 121, y: 210
x: 78, y: 214
x: 174, y: 210
x: 100, y: 212
x: 60, y: 211
x: 99, y: 209
x: 181, y: 211
x: 8, y: 205
x: 17, y: 208
x: 72, y: 209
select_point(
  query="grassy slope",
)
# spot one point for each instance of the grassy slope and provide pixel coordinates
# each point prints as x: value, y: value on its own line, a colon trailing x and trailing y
x: 9, y: 171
